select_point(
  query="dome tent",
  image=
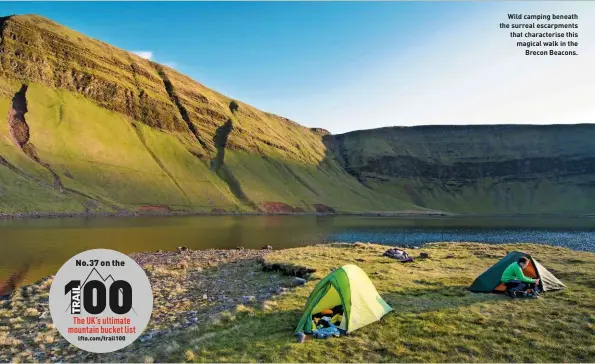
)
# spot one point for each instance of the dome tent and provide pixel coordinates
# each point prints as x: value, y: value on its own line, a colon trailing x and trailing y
x: 350, y: 287
x: 489, y: 281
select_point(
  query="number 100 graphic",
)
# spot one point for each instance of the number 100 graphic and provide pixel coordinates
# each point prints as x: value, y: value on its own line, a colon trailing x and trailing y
x: 95, y: 297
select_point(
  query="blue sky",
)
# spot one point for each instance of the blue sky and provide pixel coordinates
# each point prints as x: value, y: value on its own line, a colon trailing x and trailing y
x: 341, y: 66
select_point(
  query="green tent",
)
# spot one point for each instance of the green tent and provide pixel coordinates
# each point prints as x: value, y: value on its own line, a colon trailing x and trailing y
x: 489, y: 281
x: 350, y: 287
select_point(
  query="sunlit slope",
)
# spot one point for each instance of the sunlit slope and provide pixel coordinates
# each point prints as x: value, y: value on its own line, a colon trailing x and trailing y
x: 94, y: 128
x: 24, y: 185
x: 477, y: 169
x: 90, y: 127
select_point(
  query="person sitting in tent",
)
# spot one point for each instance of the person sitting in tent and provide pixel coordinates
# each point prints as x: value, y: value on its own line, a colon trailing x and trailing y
x: 516, y: 281
x: 493, y: 279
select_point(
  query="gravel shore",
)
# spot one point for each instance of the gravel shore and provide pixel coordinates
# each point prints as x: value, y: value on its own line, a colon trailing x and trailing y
x: 189, y: 287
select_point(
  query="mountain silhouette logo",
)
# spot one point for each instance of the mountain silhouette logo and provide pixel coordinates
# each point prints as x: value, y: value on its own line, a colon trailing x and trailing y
x: 76, y: 290
x: 101, y: 300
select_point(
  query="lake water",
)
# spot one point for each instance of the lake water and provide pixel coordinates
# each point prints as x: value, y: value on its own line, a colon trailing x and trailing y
x: 47, y: 243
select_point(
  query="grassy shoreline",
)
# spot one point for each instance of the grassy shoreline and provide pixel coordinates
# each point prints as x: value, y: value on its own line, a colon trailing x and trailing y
x: 249, y: 314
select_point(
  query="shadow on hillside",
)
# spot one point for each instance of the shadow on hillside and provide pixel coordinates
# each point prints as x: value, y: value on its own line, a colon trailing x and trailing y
x: 370, y: 174
x: 333, y: 152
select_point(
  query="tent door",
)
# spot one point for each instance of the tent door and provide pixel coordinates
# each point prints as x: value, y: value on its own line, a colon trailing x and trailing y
x: 330, y: 298
x: 529, y: 271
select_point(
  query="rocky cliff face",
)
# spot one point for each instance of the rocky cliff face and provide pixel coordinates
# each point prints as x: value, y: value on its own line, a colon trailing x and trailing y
x: 90, y: 127
x: 477, y: 169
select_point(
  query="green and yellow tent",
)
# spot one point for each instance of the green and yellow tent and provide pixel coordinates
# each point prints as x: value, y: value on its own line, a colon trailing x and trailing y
x: 350, y: 287
x: 489, y: 281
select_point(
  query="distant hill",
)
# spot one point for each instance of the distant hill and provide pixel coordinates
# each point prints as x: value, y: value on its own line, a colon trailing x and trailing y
x: 504, y: 169
x: 93, y: 128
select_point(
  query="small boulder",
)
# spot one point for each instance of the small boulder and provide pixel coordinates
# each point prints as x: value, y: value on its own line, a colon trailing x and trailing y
x: 297, y: 281
x: 424, y: 255
x: 182, y: 249
x: 450, y: 256
x: 282, y: 290
x: 146, y: 337
x: 248, y: 299
x: 267, y: 247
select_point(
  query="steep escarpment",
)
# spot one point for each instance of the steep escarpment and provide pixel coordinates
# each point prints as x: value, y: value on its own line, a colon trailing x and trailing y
x: 90, y: 127
x: 108, y: 129
x: 35, y: 49
x: 476, y: 169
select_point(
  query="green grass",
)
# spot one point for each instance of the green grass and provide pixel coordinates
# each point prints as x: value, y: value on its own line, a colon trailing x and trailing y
x: 98, y: 148
x: 31, y: 188
x: 504, y: 169
x: 491, y: 195
x: 81, y: 115
x: 86, y: 95
x: 98, y: 152
x: 435, y: 317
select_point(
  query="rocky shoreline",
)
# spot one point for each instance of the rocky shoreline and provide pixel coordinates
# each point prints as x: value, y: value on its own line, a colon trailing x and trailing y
x: 189, y: 288
x: 165, y: 213
x: 127, y: 213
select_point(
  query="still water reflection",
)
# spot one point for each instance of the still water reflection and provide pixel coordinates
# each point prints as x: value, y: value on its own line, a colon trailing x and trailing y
x: 47, y: 243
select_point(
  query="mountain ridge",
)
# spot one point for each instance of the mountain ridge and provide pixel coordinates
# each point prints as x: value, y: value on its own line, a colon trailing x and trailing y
x: 94, y: 129
x: 122, y: 133
x: 502, y: 169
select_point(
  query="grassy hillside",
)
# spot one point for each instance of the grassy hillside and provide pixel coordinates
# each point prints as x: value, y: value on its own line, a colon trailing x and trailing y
x: 95, y: 128
x: 476, y: 169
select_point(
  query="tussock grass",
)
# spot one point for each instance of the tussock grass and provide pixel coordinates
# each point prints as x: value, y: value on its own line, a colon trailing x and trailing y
x: 435, y: 317
x: 31, y: 312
